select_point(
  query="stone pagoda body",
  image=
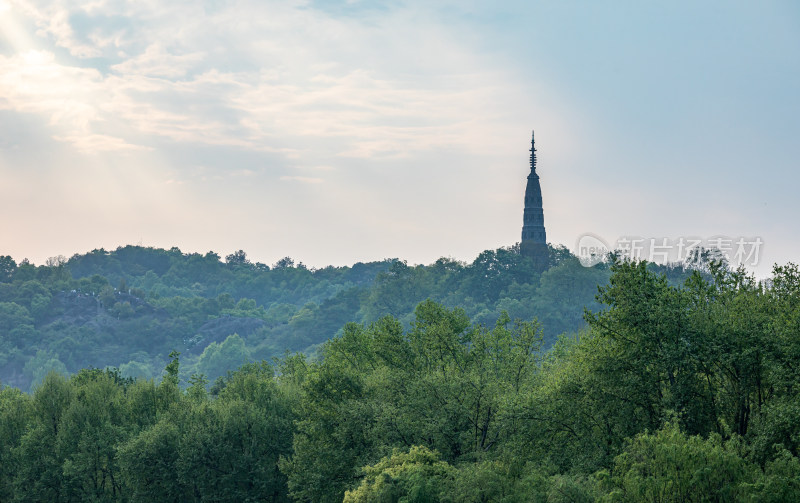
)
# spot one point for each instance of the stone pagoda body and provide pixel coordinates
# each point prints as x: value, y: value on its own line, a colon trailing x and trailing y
x: 534, y: 238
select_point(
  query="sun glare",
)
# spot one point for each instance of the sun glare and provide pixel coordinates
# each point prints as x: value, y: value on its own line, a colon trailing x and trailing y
x: 36, y: 58
x: 10, y: 29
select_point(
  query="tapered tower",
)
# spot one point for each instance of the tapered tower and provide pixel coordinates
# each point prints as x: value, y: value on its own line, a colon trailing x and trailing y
x: 534, y: 237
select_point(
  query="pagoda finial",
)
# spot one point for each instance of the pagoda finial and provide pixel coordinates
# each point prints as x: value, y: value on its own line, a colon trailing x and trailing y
x: 533, y: 153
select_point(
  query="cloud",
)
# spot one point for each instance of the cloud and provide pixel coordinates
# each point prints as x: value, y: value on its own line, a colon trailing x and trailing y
x: 55, y: 20
x: 302, y: 179
x: 99, y: 143
x: 33, y: 82
x: 157, y: 62
x: 262, y: 77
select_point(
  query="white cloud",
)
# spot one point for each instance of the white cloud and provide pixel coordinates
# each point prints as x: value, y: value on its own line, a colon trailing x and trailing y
x: 33, y: 82
x: 91, y: 143
x: 53, y: 21
x: 302, y: 179
x: 156, y: 61
x: 258, y: 76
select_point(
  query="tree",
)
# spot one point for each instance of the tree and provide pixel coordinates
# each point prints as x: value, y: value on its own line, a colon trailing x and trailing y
x: 13, y: 315
x: 565, y: 292
x: 40, y: 304
x: 507, y: 481
x: 416, y: 475
x: 16, y: 413
x: 230, y: 448
x: 284, y: 263
x: 57, y: 261
x: 137, y: 370
x: 40, y: 472
x: 122, y: 310
x: 92, y: 426
x: 7, y: 268
x: 107, y: 296
x: 149, y: 464
x: 219, y: 358
x: 443, y: 385
x: 221, y: 450
x: 395, y: 292
x: 668, y: 466
x: 780, y: 480
x: 39, y: 366
x: 495, y: 270
x: 656, y: 352
x: 237, y: 258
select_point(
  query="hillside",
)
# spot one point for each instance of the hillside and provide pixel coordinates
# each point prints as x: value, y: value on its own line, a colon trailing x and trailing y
x: 671, y: 393
x: 130, y: 307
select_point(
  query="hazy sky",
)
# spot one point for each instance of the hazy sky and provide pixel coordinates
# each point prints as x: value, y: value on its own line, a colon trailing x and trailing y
x: 344, y: 131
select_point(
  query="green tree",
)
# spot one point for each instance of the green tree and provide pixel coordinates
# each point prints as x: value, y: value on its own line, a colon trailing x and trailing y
x: 148, y: 459
x: 221, y: 450
x: 668, y: 466
x: 416, y: 475
x: 39, y: 366
x: 506, y: 481
x: 16, y: 413
x: 40, y: 470
x: 565, y: 292
x: 92, y: 426
x: 149, y: 463
x: 122, y: 310
x: 238, y: 258
x: 443, y: 385
x: 780, y: 480
x: 219, y: 358
x: 7, y: 268
x: 395, y: 292
x: 137, y: 370
x: 13, y: 315
x: 107, y: 296
x: 229, y: 450
x: 40, y: 305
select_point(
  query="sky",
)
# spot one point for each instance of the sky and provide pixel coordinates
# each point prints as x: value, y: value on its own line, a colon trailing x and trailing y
x: 343, y: 131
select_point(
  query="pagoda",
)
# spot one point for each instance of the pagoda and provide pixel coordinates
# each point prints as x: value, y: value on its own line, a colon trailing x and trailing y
x: 534, y: 238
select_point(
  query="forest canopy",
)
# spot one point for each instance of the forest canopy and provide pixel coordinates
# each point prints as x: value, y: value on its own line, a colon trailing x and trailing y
x: 671, y: 392
x: 130, y: 307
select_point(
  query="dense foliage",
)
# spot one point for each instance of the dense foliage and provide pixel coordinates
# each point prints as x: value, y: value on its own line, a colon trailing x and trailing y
x: 130, y: 307
x: 671, y: 393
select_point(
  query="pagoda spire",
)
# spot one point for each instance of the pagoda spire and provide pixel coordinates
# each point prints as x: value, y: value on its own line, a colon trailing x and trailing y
x: 533, y: 152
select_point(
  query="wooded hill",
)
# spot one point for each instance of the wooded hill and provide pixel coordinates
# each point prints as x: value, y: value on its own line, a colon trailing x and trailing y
x: 130, y: 307
x: 671, y: 393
